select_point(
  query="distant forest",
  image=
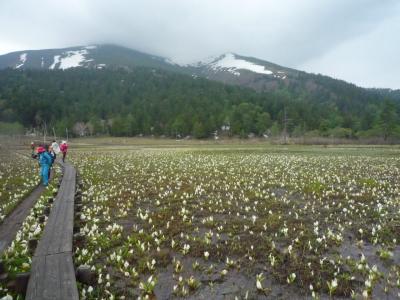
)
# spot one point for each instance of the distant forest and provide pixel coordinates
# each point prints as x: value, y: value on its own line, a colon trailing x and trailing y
x: 154, y: 102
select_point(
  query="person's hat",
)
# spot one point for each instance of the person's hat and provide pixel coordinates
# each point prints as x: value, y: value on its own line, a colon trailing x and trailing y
x: 40, y: 149
x: 63, y: 142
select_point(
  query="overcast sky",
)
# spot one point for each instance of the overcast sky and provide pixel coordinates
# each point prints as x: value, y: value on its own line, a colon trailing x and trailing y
x: 354, y: 40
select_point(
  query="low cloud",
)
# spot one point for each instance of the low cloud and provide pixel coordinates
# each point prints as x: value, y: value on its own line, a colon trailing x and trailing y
x: 355, y: 40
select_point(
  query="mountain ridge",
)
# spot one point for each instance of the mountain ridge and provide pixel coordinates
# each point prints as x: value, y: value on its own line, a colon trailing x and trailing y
x: 115, y: 56
x: 119, y: 91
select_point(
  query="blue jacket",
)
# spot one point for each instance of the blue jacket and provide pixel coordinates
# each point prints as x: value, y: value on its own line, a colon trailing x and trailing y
x: 45, y: 159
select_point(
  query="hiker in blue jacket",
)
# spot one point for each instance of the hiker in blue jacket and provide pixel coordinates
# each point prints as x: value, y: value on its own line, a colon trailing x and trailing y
x: 45, y: 161
x: 53, y: 157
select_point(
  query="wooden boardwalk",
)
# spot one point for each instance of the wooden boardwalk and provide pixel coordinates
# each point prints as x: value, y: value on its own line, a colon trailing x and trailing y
x: 52, y: 273
x: 13, y: 222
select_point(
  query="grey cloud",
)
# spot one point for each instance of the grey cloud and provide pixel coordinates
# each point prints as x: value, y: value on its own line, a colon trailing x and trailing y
x: 293, y: 33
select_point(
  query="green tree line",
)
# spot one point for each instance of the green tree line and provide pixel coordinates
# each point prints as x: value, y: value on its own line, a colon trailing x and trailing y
x: 146, y: 101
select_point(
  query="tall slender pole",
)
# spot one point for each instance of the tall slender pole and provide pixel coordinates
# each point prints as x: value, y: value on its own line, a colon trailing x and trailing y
x: 54, y: 134
x: 45, y: 132
x: 284, y: 125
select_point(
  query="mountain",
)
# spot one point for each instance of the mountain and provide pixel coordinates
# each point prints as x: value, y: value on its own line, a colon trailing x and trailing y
x: 229, y: 68
x: 250, y: 72
x: 108, y: 83
x: 92, y: 56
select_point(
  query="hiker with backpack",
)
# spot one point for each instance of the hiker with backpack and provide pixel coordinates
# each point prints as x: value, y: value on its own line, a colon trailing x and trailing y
x: 53, y: 157
x: 45, y: 162
x: 64, y: 149
x: 55, y: 149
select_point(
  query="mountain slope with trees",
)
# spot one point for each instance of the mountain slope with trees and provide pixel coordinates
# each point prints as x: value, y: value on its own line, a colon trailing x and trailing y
x: 149, y: 101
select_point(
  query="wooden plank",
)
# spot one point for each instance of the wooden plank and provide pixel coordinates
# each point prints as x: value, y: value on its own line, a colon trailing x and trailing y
x: 12, y: 223
x: 49, y: 231
x: 57, y: 236
x: 52, y: 273
x: 36, y: 280
x: 60, y: 239
x: 68, y: 287
x: 52, y: 277
x: 65, y: 241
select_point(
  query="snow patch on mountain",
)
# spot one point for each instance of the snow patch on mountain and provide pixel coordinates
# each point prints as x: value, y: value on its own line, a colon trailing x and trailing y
x: 22, y: 60
x: 232, y: 64
x: 55, y: 62
x: 228, y: 62
x: 73, y: 59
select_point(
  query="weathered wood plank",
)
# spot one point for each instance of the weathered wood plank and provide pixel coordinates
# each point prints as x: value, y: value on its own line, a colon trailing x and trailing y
x: 35, y: 284
x: 52, y: 277
x: 12, y: 223
x: 57, y: 236
x: 52, y: 273
x: 68, y: 288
